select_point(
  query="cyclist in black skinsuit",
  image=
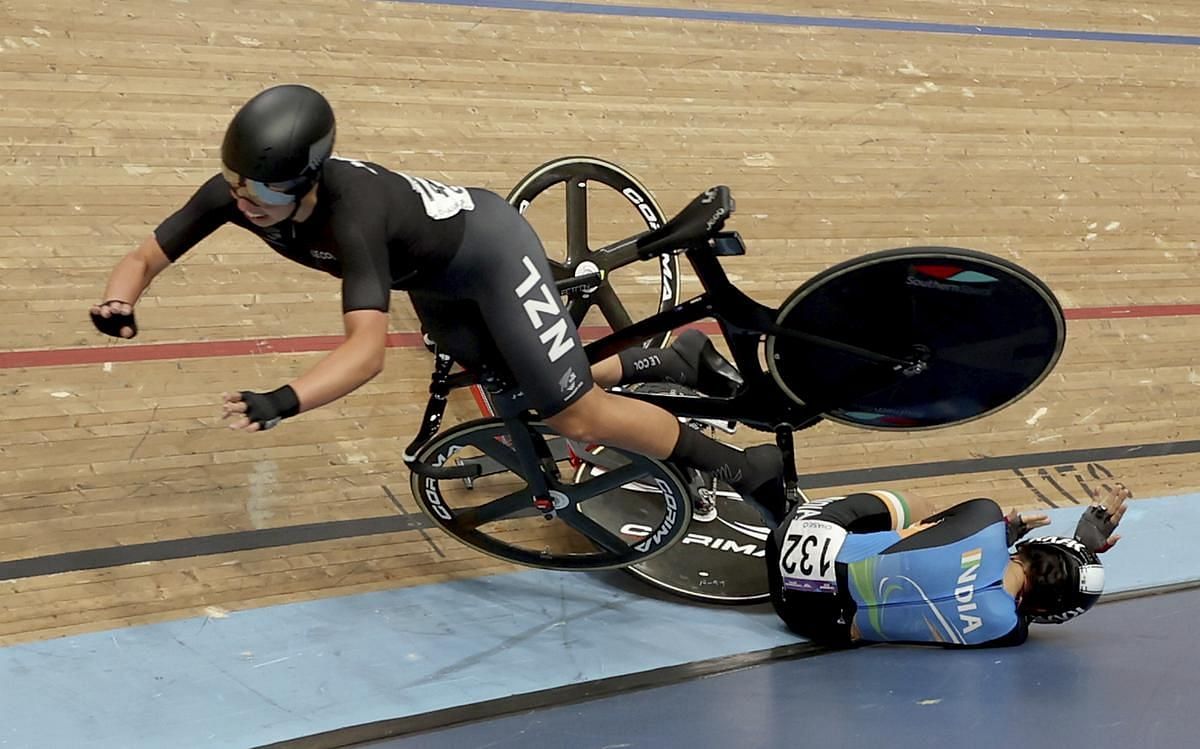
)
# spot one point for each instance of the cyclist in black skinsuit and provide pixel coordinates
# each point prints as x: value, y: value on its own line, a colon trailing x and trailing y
x: 476, y: 272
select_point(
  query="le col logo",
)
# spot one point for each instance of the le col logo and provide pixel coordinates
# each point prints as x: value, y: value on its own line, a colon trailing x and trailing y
x: 322, y: 255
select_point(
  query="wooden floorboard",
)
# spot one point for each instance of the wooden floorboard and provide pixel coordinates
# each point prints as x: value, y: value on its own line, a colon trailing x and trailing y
x: 1077, y: 159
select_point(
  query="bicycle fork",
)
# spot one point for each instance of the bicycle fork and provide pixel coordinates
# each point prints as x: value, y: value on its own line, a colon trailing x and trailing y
x: 792, y: 492
x: 532, y: 452
x: 435, y: 409
x: 537, y: 463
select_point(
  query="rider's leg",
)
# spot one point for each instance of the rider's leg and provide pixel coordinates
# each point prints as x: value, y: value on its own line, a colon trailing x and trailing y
x: 607, y: 373
x: 606, y: 418
x: 601, y: 417
x: 690, y: 360
x: 637, y: 364
x: 502, y: 269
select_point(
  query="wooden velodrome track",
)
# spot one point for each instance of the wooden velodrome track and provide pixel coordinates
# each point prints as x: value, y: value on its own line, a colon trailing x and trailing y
x: 1077, y: 159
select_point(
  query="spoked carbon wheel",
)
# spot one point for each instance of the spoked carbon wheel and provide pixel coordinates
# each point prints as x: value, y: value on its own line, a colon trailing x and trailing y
x: 720, y: 559
x: 967, y: 334
x: 494, y: 512
x: 581, y: 208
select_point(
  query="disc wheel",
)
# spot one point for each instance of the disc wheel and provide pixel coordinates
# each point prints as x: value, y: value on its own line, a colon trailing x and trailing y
x: 973, y: 333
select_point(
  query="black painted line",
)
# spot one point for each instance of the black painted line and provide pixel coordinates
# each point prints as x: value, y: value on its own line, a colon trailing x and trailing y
x: 399, y: 506
x: 1044, y: 475
x: 1037, y: 493
x: 90, y: 559
x: 224, y: 543
x: 1094, y: 470
x: 999, y: 463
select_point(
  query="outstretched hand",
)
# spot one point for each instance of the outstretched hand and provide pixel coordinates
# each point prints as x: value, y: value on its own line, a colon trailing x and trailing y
x: 257, y: 412
x: 233, y: 409
x: 1095, y: 528
x: 115, y: 318
x: 1020, y: 523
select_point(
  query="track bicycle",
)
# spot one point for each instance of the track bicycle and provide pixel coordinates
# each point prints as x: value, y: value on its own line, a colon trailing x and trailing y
x: 897, y: 340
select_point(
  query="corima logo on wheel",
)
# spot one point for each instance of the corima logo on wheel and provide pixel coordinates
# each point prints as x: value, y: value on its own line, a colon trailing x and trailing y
x: 714, y: 542
x: 664, y: 260
x: 635, y: 197
x: 433, y: 495
x: 656, y: 539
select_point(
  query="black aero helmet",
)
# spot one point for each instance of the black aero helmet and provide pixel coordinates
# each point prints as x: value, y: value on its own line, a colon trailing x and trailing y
x: 1068, y: 579
x: 280, y: 139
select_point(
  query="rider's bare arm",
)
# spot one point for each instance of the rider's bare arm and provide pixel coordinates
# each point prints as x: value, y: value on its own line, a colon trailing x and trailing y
x: 349, y: 366
x: 134, y: 272
x: 113, y: 315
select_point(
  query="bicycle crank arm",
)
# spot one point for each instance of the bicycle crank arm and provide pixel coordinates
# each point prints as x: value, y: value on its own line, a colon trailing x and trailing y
x: 728, y: 426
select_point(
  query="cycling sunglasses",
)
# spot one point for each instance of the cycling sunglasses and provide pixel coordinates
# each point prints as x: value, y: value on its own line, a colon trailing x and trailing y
x: 275, y: 194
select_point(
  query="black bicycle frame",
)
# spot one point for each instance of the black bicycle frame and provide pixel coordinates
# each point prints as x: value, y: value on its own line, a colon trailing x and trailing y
x: 743, y: 323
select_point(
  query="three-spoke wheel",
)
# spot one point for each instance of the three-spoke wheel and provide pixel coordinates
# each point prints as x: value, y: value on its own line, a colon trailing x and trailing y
x: 495, y: 511
x: 581, y: 207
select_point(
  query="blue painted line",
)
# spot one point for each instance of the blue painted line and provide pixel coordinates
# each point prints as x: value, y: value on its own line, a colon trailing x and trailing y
x: 774, y: 19
x: 265, y: 675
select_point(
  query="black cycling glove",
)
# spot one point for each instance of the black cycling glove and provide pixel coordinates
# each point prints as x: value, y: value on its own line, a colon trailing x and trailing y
x: 1095, y: 527
x: 1015, y: 528
x: 268, y: 409
x: 112, y: 325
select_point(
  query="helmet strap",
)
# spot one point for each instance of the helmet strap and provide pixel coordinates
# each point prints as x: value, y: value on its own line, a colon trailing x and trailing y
x: 299, y: 200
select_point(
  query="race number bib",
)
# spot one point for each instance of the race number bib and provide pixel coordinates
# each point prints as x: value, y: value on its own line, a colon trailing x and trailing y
x: 806, y: 561
x: 441, y: 201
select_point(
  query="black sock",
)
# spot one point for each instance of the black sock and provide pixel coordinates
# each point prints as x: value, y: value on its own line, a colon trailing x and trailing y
x: 653, y: 365
x: 696, y: 450
x: 756, y: 473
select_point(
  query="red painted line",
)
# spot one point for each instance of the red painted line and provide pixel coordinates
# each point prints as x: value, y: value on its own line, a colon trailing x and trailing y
x: 124, y: 352
x: 1146, y: 310
x: 129, y: 352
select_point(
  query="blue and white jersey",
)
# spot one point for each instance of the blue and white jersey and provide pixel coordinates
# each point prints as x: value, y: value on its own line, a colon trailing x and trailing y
x: 837, y: 565
x: 952, y: 593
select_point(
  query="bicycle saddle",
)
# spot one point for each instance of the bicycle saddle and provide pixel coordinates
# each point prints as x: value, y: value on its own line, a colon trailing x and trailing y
x: 702, y: 218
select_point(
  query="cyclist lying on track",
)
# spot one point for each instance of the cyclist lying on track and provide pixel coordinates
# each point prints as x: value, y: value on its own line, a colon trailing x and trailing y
x: 477, y: 275
x: 847, y: 571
